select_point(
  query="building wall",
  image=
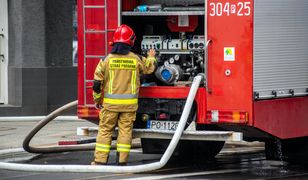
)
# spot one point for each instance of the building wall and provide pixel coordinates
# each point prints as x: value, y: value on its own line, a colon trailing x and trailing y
x: 40, y: 73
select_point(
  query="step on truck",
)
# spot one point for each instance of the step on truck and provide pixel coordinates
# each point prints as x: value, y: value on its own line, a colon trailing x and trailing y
x: 253, y: 56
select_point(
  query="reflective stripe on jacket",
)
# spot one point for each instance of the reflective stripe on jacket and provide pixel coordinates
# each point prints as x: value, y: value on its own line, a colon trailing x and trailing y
x: 120, y: 77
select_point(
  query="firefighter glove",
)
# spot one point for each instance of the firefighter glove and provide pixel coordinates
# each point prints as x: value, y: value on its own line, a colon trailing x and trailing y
x: 97, y: 97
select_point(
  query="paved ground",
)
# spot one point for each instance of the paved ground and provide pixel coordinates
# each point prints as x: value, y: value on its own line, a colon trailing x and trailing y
x: 236, y: 161
x: 12, y: 133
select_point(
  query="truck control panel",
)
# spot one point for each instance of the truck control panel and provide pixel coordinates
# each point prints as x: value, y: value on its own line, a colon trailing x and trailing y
x: 179, y: 59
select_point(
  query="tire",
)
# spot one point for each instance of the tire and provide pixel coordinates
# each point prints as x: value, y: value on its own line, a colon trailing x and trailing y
x: 200, y: 151
x: 154, y: 146
x: 274, y: 150
x: 188, y: 149
x: 295, y: 150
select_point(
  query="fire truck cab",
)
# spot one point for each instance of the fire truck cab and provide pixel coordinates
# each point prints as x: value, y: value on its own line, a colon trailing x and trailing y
x: 252, y: 53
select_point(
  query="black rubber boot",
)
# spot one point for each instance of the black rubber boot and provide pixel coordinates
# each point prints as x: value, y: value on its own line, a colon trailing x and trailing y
x: 117, y: 157
x: 122, y: 164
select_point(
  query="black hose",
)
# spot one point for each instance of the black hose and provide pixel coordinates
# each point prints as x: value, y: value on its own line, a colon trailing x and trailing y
x: 53, y: 149
x: 57, y: 149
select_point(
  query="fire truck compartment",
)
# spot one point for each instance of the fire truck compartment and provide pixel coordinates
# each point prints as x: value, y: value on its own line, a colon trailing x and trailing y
x: 255, y: 64
x: 280, y: 66
x: 180, y: 53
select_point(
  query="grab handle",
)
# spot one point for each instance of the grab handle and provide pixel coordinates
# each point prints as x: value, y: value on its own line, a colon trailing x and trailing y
x: 206, y: 65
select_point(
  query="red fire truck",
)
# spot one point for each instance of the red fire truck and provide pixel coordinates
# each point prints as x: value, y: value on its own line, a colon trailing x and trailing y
x: 252, y: 53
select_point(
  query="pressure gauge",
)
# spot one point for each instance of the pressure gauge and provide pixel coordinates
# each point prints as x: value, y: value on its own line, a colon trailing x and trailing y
x: 171, y: 60
x: 176, y: 57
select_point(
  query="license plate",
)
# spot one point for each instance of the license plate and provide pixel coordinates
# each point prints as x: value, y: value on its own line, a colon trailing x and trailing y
x: 162, y: 125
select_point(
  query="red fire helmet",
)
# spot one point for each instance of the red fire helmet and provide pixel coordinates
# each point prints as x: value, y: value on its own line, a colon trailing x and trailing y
x: 124, y: 34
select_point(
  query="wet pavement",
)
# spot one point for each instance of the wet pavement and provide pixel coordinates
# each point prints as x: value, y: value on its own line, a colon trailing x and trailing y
x: 12, y: 133
x: 225, y: 166
x: 236, y: 161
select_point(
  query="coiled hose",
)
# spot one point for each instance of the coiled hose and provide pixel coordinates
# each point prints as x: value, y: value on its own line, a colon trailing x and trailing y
x: 113, y: 169
x: 53, y: 149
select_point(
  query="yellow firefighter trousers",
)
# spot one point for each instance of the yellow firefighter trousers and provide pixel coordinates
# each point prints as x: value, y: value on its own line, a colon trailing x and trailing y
x: 107, y: 123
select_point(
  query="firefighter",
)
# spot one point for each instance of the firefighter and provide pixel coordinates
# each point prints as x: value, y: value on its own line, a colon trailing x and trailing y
x: 115, y: 89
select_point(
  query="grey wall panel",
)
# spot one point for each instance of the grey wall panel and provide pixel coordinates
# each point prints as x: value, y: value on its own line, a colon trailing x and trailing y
x: 33, y: 37
x: 40, y: 72
x: 280, y: 47
x: 59, y: 32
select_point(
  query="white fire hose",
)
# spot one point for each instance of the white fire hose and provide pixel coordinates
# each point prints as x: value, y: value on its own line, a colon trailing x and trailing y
x: 119, y: 169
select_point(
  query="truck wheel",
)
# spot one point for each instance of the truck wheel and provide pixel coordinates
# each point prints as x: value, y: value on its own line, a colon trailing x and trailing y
x: 287, y: 150
x: 204, y: 150
x: 274, y: 150
x: 191, y: 150
x: 159, y: 146
x: 296, y: 149
x: 154, y: 146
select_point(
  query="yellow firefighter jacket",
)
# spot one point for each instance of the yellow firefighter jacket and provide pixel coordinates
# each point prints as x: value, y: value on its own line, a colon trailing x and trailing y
x: 120, y: 78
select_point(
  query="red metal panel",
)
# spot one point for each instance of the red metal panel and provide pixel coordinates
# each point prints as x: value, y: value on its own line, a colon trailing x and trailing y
x: 89, y: 97
x: 95, y: 2
x: 129, y: 5
x: 89, y: 112
x: 283, y: 118
x: 171, y: 92
x: 112, y: 20
x: 112, y: 14
x: 173, y: 24
x: 95, y: 44
x: 100, y: 22
x: 201, y: 105
x: 95, y: 19
x: 230, y: 27
x: 164, y: 92
x: 90, y: 67
x: 110, y: 40
x: 80, y: 53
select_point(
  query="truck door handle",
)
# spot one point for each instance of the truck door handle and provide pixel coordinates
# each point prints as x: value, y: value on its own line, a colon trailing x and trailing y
x: 206, y: 65
x: 1, y: 54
